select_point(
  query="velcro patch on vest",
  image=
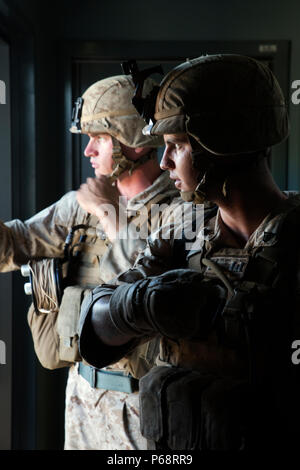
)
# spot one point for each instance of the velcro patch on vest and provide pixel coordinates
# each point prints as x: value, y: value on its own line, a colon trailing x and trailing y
x: 233, y: 267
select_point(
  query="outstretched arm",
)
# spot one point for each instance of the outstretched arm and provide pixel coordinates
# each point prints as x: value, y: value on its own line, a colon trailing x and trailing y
x: 41, y: 236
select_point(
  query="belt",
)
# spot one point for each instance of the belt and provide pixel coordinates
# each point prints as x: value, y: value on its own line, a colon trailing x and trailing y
x: 108, y: 379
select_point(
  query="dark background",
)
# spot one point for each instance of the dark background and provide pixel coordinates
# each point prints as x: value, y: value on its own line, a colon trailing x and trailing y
x: 49, y: 53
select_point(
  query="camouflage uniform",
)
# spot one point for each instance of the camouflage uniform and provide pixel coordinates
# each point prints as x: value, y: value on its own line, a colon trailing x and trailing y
x: 98, y: 419
x: 106, y: 419
x: 43, y: 236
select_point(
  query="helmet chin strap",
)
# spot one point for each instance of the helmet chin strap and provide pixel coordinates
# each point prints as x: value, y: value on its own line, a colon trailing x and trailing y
x: 122, y: 163
x: 199, y: 195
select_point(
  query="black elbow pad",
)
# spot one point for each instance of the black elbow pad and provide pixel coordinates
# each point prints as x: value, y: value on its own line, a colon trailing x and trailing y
x: 92, y: 349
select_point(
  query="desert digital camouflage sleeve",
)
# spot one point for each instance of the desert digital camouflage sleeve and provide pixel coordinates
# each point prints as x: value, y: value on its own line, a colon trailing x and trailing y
x: 41, y: 236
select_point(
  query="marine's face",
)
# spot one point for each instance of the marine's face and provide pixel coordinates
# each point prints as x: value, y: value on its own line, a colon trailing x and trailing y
x: 100, y: 150
x: 177, y: 158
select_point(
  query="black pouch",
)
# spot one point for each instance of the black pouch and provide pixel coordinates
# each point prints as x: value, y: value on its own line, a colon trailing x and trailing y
x: 183, y: 409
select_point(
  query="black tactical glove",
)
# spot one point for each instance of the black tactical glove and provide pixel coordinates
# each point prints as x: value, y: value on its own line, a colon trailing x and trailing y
x: 177, y: 304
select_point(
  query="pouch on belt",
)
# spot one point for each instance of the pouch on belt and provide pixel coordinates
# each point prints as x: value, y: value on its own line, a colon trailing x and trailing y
x: 182, y: 409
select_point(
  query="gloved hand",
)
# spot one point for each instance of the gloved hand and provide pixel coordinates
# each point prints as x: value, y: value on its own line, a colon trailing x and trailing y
x: 177, y: 304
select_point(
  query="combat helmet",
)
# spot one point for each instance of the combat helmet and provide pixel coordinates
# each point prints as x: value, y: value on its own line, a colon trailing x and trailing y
x: 106, y: 107
x: 230, y: 104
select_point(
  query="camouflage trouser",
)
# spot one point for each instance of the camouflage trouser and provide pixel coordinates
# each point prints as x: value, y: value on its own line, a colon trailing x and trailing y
x: 97, y: 419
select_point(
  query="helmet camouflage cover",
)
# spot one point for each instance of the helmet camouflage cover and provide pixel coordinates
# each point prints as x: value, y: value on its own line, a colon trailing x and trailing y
x: 230, y: 104
x: 107, y: 108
